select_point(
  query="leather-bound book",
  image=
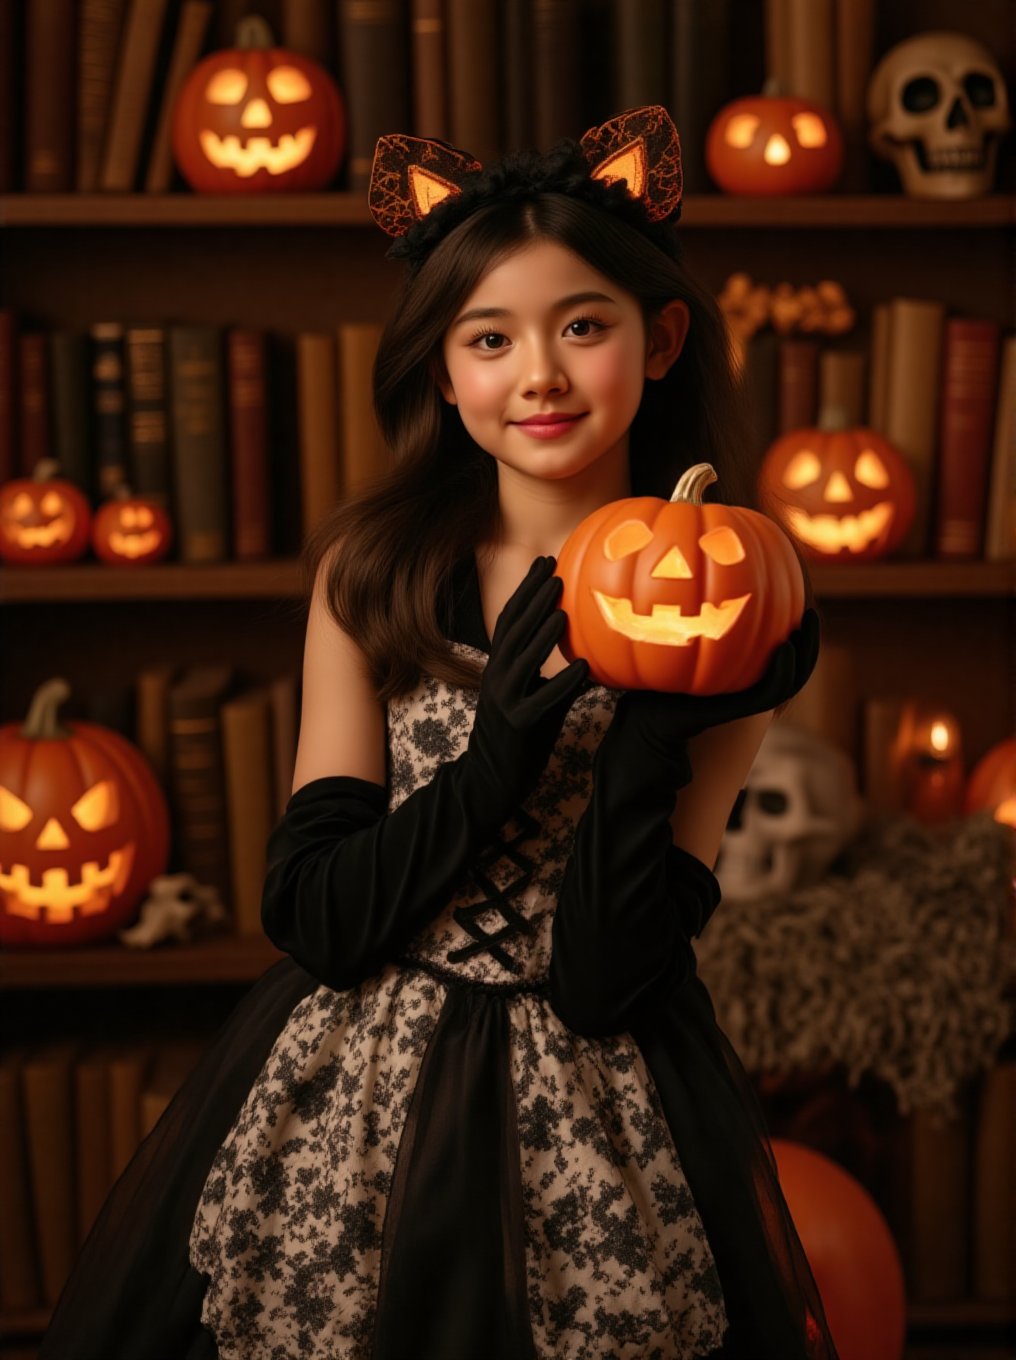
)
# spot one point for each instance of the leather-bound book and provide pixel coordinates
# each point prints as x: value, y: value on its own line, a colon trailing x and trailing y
x: 320, y: 457
x: 33, y: 367
x: 247, y: 757
x: 247, y: 391
x: 191, y: 29
x: 199, y: 444
x: 11, y: 96
x: 148, y: 412
x: 1000, y: 529
x: 363, y: 450
x: 700, y: 80
x: 842, y: 385
x: 20, y: 1285
x: 776, y: 25
x: 641, y: 53
x: 878, y: 366
x: 10, y: 459
x: 99, y: 25
x: 880, y: 719
x: 517, y: 45
x: 109, y: 425
x: 760, y: 379
x: 374, y: 77
x: 50, y: 58
x: 810, y: 51
x: 284, y: 444
x: 197, y: 781
x: 151, y: 719
x: 172, y: 1063
x: 994, y: 1192
x: 282, y: 694
x: 939, y: 1206
x: 970, y: 351
x: 133, y: 90
x: 48, y: 1095
x: 92, y: 1137
x: 853, y: 54
x: 557, y: 100
x: 430, y: 76
x: 912, y: 403
x: 127, y: 1068
x: 474, y: 77
x: 228, y: 14
x: 798, y: 384
x: 69, y: 406
x: 306, y: 27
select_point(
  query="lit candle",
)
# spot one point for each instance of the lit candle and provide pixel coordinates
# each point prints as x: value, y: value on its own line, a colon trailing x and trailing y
x: 928, y: 760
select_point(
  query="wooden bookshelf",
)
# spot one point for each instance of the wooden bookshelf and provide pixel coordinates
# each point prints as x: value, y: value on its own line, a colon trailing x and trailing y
x: 217, y: 959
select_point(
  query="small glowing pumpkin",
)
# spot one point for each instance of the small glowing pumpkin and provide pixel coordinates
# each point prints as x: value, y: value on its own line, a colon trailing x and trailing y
x: 678, y: 595
x: 257, y: 118
x: 131, y: 531
x: 992, y: 783
x: 84, y: 827
x: 846, y: 495
x: 43, y: 519
x: 774, y: 144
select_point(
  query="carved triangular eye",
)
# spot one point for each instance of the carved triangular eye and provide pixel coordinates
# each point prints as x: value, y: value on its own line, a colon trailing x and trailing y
x: 809, y: 128
x: 14, y: 814
x: 870, y: 470
x: 626, y: 538
x: 803, y: 469
x: 723, y: 545
x: 99, y: 807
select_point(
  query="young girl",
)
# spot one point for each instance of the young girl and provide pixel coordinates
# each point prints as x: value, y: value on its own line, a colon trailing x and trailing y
x: 484, y: 1109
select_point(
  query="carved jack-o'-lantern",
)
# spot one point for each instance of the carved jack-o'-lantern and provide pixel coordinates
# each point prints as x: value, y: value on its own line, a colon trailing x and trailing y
x: 771, y: 144
x: 131, y: 531
x: 992, y: 783
x: 844, y: 494
x: 43, y: 519
x: 258, y: 118
x: 84, y: 827
x: 677, y: 595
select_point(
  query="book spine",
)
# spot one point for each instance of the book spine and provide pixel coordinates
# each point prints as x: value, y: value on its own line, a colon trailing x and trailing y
x: 10, y: 459
x: 34, y: 368
x: 430, y: 83
x: 198, y: 443
x: 132, y: 92
x: 11, y: 96
x: 151, y: 725
x: 108, y: 404
x: 777, y: 43
x: 190, y: 37
x: 126, y: 1072
x: 700, y: 80
x: 99, y: 34
x: 760, y: 383
x: 198, y: 789
x: 810, y: 51
x: 854, y: 47
x: 970, y: 354
x: 842, y: 385
x: 474, y: 98
x: 640, y: 53
x: 878, y: 367
x: 19, y: 1269
x: 49, y: 96
x: 282, y: 693
x: 374, y: 41
x: 364, y: 457
x: 516, y: 41
x: 828, y: 703
x: 247, y: 757
x: 1000, y: 530
x: 49, y: 1123
x: 994, y: 1192
x: 317, y: 378
x: 248, y: 425
x: 306, y: 28
x: 798, y: 384
x: 911, y: 424
x: 68, y: 368
x: 91, y: 1112
x: 880, y: 784
x: 554, y: 56
x: 148, y: 415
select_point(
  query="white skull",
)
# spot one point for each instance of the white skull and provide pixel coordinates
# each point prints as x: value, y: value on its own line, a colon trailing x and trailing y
x: 798, y: 810
x: 937, y: 106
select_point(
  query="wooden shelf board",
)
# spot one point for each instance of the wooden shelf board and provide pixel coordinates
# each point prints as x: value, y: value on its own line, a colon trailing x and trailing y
x: 930, y: 579
x: 220, y: 958
x: 350, y: 210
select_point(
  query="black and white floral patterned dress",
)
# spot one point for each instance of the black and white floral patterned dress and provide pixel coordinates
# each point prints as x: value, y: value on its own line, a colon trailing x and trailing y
x: 430, y: 1164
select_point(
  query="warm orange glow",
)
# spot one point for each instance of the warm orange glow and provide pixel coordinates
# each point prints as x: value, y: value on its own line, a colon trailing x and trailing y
x: 939, y: 736
x: 777, y: 150
x: 666, y: 625
x: 723, y: 545
x: 803, y: 469
x: 809, y: 129
x: 257, y: 153
x: 288, y: 84
x: 837, y: 489
x: 58, y: 897
x: 871, y: 471
x: 831, y: 533
x: 226, y: 87
x: 1006, y: 812
x: 740, y: 130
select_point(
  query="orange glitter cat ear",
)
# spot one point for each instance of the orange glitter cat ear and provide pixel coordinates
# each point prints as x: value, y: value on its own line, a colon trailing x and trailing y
x: 640, y: 146
x: 412, y: 175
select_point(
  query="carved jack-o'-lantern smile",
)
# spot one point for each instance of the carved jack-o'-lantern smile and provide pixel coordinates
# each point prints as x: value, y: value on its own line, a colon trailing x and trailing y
x: 43, y: 518
x: 135, y: 535
x: 42, y: 522
x: 286, y: 85
x: 833, y: 531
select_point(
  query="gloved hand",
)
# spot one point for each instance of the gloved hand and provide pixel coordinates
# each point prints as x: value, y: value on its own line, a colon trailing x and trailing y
x: 349, y: 884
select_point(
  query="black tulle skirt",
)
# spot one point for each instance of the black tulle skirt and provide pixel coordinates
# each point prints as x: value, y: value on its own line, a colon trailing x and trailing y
x: 133, y: 1294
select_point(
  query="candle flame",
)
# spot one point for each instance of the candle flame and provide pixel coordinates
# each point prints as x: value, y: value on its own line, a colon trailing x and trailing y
x: 940, y: 736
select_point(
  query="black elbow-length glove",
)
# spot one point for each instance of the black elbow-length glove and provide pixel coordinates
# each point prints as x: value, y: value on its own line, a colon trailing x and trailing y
x: 631, y: 901
x: 348, y: 883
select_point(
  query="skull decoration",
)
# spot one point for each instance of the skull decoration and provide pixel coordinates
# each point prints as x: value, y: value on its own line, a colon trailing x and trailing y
x: 798, y: 810
x: 937, y: 106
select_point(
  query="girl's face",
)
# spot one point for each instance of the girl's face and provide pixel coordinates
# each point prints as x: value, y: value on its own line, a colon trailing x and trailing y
x: 547, y: 358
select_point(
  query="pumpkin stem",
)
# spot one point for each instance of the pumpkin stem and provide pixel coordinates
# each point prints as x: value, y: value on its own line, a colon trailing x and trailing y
x: 833, y: 417
x: 773, y: 88
x: 692, y: 483
x: 41, y: 723
x: 253, y: 31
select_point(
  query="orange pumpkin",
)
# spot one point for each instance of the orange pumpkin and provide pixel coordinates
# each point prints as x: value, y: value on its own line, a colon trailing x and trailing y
x: 846, y: 495
x: 774, y: 144
x: 258, y: 119
x: 131, y: 531
x: 84, y: 828
x: 43, y: 519
x: 992, y: 783
x: 677, y: 595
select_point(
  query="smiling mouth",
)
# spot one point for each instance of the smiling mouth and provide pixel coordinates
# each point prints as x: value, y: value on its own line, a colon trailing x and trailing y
x: 831, y: 534
x: 91, y: 893
x: 665, y: 624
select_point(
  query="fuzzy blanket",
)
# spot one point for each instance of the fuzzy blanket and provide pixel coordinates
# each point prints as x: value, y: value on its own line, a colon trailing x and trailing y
x: 901, y: 963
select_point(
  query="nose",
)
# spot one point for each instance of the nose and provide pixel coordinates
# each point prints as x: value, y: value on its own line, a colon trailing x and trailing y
x: 542, y: 372
x: 256, y: 114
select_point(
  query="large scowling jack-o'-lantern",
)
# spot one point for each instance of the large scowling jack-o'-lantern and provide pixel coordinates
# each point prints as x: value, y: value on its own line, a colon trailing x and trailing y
x: 84, y: 828
x: 846, y: 495
x: 257, y: 119
x: 678, y: 595
x: 770, y: 144
x: 43, y: 519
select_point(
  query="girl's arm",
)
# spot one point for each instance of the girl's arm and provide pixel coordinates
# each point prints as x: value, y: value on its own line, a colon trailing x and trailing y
x: 721, y: 758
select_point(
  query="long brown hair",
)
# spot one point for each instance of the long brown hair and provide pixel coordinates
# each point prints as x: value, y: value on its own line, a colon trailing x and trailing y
x: 402, y: 535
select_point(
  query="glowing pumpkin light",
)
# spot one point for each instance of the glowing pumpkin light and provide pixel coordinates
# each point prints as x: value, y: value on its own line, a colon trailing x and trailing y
x: 131, y: 531
x: 84, y: 828
x: 43, y: 519
x: 774, y: 144
x: 846, y: 495
x: 258, y: 119
x: 678, y: 595
x: 992, y: 783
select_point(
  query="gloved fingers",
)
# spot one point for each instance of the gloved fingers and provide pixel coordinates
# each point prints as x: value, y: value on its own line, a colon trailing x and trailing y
x: 520, y: 601
x: 557, y: 693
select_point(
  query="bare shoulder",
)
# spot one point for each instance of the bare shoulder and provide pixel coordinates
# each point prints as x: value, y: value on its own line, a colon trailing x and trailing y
x: 342, y: 722
x: 720, y: 758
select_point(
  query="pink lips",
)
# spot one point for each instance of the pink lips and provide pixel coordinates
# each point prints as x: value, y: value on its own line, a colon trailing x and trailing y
x: 549, y: 426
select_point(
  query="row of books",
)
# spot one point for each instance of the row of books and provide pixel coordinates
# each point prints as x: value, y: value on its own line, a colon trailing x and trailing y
x: 940, y: 388
x: 247, y: 437
x: 487, y: 75
x: 72, y: 1114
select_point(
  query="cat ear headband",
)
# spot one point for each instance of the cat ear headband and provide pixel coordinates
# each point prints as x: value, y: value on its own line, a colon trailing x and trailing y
x: 411, y: 176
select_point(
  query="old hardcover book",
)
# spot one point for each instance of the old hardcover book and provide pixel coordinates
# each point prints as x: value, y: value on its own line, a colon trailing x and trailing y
x: 853, y: 54
x: 1000, y: 529
x: 641, y: 53
x: 798, y: 384
x: 282, y: 693
x: 172, y: 1062
x: 132, y: 94
x: 374, y: 46
x: 151, y: 709
x: 109, y: 403
x: 306, y: 27
x: 33, y: 369
x: 70, y: 406
x: 47, y: 1092
x: 10, y: 460
x: 128, y: 1064
x: 516, y: 43
x: 760, y: 379
x: 811, y: 73
x: 911, y: 417
x: 777, y: 42
x: 878, y: 367
x: 428, y: 42
x: 50, y: 47
x: 320, y: 457
x: 247, y: 388
x: 474, y: 75
x: 99, y: 24
x: 247, y: 757
x: 198, y: 443
x: 970, y: 353
x: 198, y: 800
x: 11, y: 97
x: 842, y: 385
x: 148, y: 412
x: 879, y: 784
x: 20, y: 1285
x: 92, y: 1141
x: 364, y: 456
x: 700, y: 80
x: 191, y: 28
x: 994, y: 1192
x: 557, y: 98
